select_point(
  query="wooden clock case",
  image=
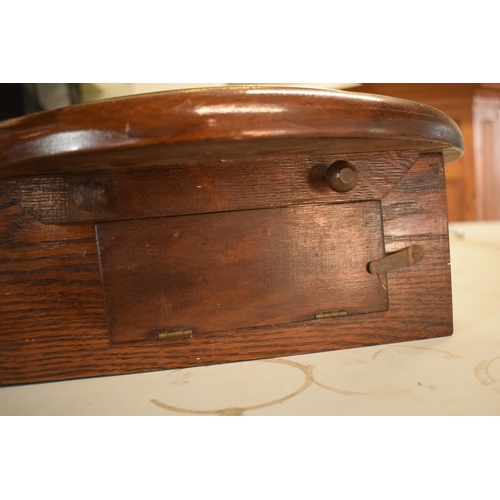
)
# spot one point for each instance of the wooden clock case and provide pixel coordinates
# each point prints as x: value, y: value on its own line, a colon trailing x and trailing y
x: 207, y: 226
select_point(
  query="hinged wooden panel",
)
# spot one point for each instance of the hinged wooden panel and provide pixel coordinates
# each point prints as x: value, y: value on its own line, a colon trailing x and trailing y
x: 242, y: 269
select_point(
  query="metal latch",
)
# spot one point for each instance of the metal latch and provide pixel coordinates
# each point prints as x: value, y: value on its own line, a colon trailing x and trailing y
x: 402, y: 258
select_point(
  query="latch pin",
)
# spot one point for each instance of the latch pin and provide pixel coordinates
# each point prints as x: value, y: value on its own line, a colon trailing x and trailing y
x: 402, y: 258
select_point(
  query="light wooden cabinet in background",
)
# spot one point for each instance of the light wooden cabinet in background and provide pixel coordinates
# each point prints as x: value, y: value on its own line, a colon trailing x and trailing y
x: 486, y: 129
x: 473, y: 181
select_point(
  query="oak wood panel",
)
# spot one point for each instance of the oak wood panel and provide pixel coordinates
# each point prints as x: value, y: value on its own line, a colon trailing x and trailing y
x: 414, y: 212
x: 209, y: 186
x: 240, y: 269
x: 46, y: 270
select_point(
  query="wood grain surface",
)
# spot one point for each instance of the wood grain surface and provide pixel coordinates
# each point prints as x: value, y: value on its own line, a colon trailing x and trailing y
x: 53, y: 324
x: 220, y: 123
x: 219, y: 166
x: 225, y: 271
x: 208, y: 186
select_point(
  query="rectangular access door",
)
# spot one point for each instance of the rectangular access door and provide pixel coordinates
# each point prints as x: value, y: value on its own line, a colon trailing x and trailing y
x: 232, y: 270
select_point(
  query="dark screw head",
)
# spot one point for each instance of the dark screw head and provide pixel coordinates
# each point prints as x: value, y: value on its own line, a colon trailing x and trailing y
x: 341, y: 176
x: 91, y: 196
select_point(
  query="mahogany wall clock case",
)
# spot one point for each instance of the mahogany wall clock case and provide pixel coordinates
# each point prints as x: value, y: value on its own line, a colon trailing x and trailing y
x: 207, y: 226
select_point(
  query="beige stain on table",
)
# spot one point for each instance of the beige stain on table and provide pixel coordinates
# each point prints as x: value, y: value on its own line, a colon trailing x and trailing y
x: 482, y: 373
x: 237, y: 410
x: 448, y: 354
x: 307, y: 370
x: 337, y: 390
x: 309, y: 379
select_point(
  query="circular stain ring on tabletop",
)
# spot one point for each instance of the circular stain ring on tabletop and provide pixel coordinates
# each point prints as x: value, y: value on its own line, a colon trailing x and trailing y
x: 239, y: 410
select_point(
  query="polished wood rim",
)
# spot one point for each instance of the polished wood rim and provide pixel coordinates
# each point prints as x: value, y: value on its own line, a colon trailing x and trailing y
x: 245, y: 120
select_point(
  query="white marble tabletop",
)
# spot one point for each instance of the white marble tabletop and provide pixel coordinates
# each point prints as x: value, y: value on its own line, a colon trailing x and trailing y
x: 457, y: 375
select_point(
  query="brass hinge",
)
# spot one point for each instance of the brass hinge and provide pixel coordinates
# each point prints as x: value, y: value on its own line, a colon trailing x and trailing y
x: 402, y: 258
x: 331, y: 314
x: 177, y: 333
